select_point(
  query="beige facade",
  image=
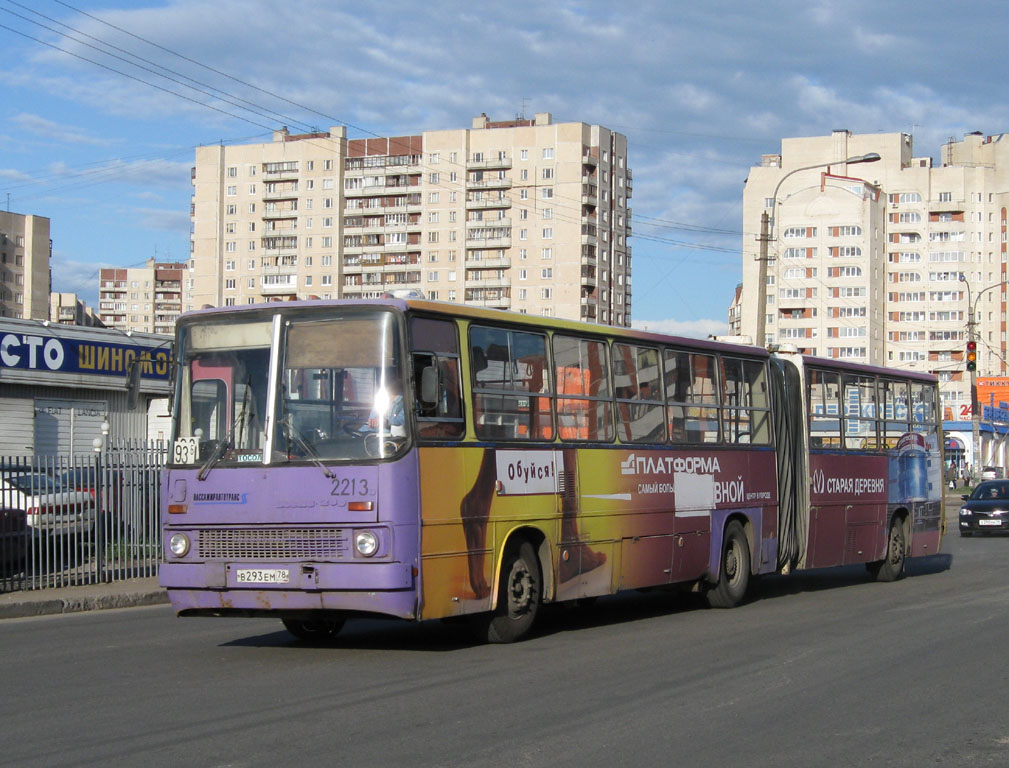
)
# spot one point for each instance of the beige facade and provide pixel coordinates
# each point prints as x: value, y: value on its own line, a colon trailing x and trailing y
x: 69, y: 309
x: 866, y: 259
x: 25, y: 251
x: 526, y: 215
x: 147, y: 298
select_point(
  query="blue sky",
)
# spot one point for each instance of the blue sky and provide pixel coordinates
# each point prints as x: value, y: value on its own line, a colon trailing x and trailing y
x: 98, y: 129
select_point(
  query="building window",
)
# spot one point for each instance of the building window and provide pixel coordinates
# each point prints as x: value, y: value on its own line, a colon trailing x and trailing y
x: 548, y: 153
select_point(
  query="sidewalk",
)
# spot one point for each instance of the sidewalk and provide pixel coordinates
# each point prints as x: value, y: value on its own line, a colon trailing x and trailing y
x: 90, y: 597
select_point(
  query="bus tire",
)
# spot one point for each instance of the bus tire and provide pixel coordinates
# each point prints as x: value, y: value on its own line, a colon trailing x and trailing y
x: 891, y: 567
x: 734, y: 570
x: 316, y: 630
x: 519, y: 594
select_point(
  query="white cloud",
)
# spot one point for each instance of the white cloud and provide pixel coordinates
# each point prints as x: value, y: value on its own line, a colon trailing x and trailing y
x: 697, y: 329
x: 40, y: 127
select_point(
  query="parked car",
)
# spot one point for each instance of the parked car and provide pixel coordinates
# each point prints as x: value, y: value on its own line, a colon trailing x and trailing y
x: 85, y: 479
x: 993, y: 473
x: 986, y: 508
x: 48, y: 505
x: 13, y: 540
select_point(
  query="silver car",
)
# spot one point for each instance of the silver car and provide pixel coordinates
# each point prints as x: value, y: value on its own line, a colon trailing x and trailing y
x: 49, y: 506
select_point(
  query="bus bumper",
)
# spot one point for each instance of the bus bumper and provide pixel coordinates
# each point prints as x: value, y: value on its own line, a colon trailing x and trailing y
x: 386, y: 589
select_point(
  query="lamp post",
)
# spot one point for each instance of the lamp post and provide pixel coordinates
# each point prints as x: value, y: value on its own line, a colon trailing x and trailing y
x: 975, y: 410
x: 767, y: 225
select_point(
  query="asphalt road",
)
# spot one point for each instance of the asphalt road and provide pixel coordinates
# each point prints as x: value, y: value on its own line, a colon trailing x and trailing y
x: 823, y: 669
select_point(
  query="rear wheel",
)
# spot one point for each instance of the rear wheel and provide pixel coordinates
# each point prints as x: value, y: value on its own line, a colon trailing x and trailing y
x: 734, y: 572
x: 891, y: 567
x: 519, y: 596
x: 316, y: 630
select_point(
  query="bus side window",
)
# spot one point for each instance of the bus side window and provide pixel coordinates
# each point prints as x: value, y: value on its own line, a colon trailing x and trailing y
x: 638, y: 392
x: 512, y: 390
x: 435, y: 345
x: 822, y: 395
x: 691, y: 396
x: 583, y: 389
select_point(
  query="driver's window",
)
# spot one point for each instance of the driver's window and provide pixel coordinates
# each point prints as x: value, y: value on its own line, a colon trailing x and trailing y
x: 209, y: 409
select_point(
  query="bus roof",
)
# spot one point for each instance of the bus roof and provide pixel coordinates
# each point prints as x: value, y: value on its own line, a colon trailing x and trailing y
x: 494, y: 315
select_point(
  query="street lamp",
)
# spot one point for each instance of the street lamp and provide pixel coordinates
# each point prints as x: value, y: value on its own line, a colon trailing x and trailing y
x: 767, y: 221
x: 972, y: 338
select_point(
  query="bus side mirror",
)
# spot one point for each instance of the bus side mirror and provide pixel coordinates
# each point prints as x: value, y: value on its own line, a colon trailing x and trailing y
x: 133, y: 384
x: 429, y: 386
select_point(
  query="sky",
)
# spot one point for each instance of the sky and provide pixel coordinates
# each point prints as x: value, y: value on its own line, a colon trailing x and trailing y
x: 104, y: 104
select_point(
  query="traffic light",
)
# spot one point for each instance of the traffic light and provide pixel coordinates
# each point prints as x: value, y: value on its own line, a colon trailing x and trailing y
x: 971, y: 355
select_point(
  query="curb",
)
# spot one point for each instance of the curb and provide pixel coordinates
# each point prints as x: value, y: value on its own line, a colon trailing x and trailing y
x: 29, y: 608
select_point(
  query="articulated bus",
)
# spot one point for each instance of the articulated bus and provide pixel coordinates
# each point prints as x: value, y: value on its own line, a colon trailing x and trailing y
x: 424, y: 460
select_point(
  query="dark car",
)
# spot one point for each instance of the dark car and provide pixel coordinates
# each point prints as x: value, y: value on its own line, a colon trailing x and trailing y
x: 13, y: 540
x: 986, y: 509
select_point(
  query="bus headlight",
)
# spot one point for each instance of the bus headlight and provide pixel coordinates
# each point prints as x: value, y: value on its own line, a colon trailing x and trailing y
x: 179, y: 544
x: 366, y: 543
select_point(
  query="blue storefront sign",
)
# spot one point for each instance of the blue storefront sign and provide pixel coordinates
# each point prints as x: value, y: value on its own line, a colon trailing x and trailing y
x: 61, y: 355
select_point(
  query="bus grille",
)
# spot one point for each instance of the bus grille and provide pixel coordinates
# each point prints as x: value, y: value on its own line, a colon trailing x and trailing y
x: 272, y: 543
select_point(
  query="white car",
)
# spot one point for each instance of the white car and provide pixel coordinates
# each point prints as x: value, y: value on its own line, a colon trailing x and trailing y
x: 48, y: 505
x: 992, y: 473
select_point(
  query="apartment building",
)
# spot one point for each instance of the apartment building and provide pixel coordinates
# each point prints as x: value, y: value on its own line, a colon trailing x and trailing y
x: 526, y: 214
x: 147, y: 298
x: 882, y: 262
x: 25, y: 251
x: 69, y: 309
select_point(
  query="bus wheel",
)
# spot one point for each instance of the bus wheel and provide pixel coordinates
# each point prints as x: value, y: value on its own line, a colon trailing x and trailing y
x: 734, y: 574
x: 519, y: 597
x: 313, y: 630
x: 891, y: 567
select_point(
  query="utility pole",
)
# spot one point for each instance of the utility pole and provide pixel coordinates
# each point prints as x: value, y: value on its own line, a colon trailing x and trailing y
x: 762, y: 259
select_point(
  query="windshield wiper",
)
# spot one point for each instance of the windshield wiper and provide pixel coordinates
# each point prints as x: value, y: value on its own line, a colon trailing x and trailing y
x: 214, y: 457
x: 293, y: 432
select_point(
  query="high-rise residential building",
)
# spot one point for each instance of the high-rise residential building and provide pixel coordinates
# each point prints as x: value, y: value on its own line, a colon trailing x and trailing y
x: 882, y: 262
x: 526, y: 214
x: 69, y: 309
x: 25, y: 250
x: 147, y: 298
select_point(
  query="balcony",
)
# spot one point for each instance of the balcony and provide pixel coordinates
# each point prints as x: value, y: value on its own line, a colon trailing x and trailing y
x: 290, y: 174
x: 489, y: 184
x: 946, y: 206
x: 494, y: 164
x: 488, y: 242
x: 286, y: 213
x: 280, y: 289
x: 289, y: 193
x: 500, y: 262
x: 484, y: 203
x: 489, y: 282
x: 589, y: 159
x: 588, y: 240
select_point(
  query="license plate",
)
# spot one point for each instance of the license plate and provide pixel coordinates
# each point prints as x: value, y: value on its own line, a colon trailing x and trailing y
x: 989, y: 522
x: 262, y: 576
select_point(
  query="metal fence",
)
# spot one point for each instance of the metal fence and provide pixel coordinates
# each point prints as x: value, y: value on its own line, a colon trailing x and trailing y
x: 80, y: 519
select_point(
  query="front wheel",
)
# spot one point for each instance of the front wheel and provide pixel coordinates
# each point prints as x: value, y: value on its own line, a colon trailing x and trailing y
x: 891, y: 567
x: 519, y: 596
x: 734, y: 573
x: 317, y: 630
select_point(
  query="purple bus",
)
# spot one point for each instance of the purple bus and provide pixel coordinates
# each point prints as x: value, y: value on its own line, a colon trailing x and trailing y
x: 420, y: 460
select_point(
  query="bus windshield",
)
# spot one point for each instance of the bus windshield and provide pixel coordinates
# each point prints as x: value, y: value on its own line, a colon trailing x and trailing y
x: 341, y: 394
